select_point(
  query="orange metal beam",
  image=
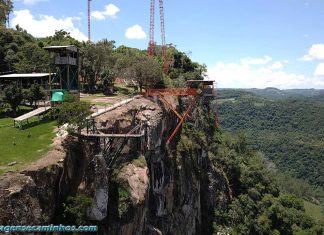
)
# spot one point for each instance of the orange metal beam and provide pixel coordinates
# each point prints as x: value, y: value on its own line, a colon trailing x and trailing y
x: 196, y: 93
x: 170, y: 106
x: 182, y: 119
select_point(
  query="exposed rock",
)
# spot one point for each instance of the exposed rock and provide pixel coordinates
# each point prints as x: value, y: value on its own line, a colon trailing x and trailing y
x: 136, y: 180
x: 18, y: 200
x: 156, y: 193
x: 98, y: 211
x: 12, y: 163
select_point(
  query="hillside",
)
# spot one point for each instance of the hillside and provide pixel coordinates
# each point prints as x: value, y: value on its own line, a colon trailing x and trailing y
x: 290, y: 132
x: 275, y: 93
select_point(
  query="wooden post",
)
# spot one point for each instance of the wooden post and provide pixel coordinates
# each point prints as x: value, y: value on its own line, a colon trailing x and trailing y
x: 49, y: 78
x: 68, y: 77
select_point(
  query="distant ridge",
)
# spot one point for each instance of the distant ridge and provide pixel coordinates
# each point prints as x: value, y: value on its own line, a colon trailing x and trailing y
x: 275, y: 93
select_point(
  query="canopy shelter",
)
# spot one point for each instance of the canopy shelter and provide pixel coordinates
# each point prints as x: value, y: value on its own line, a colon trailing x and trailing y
x: 25, y: 80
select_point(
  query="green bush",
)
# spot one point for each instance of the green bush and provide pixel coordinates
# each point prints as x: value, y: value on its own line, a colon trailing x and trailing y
x: 34, y: 94
x: 75, y: 208
x: 13, y: 95
x: 73, y: 112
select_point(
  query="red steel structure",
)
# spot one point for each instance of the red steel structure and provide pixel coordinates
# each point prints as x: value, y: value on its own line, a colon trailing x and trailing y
x: 89, y: 21
x: 151, y: 43
x: 151, y: 47
x: 196, y: 89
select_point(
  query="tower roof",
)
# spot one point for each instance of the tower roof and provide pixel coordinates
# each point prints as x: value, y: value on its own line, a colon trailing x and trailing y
x: 70, y: 48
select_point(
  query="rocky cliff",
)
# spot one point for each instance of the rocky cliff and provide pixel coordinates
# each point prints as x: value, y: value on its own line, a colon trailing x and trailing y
x: 152, y: 188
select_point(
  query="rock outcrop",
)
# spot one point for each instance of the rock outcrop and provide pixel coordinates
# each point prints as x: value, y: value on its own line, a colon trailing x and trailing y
x: 150, y: 190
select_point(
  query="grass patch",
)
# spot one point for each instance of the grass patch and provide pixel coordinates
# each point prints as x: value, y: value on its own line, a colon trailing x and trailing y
x: 93, y: 102
x: 140, y: 161
x: 93, y: 96
x: 124, y: 90
x: 24, y: 145
x: 124, y: 200
x: 313, y: 210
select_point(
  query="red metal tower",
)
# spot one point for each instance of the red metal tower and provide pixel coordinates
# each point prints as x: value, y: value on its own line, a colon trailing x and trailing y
x: 89, y: 16
x: 152, y: 43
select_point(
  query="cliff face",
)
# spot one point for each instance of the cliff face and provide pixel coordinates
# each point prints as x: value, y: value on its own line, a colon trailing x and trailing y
x: 151, y: 189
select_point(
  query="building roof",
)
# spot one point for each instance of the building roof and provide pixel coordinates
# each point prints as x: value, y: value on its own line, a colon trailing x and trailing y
x: 25, y: 75
x: 70, y: 48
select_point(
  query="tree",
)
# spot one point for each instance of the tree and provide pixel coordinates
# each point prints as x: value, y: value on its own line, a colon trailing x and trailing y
x: 34, y: 93
x: 73, y: 112
x: 183, y: 68
x: 125, y: 58
x: 96, y: 59
x: 12, y: 42
x: 13, y: 96
x: 108, y: 78
x: 147, y: 72
x: 31, y: 58
x: 3, y: 105
x: 60, y: 38
x: 6, y: 7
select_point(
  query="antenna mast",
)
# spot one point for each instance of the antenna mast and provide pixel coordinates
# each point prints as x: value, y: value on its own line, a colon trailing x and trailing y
x: 89, y: 16
x: 152, y: 43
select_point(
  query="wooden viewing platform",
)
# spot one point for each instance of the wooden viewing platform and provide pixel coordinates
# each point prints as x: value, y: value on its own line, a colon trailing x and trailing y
x: 33, y: 113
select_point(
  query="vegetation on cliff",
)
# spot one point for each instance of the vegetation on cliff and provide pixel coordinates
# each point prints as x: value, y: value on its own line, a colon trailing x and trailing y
x: 257, y: 205
x: 288, y: 131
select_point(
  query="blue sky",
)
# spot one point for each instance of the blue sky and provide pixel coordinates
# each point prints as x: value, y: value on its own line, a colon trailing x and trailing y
x: 251, y: 43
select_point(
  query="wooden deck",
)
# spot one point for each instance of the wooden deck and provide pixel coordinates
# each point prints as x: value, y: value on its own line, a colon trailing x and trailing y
x: 33, y: 113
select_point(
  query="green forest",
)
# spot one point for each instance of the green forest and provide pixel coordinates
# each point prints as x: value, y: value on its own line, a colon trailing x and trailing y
x: 288, y: 132
x: 258, y: 205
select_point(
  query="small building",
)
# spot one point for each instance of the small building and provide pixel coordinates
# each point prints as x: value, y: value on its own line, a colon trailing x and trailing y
x: 207, y: 86
x: 25, y: 80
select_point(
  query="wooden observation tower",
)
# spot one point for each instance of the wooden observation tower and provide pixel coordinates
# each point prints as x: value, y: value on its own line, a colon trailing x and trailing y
x: 65, y: 63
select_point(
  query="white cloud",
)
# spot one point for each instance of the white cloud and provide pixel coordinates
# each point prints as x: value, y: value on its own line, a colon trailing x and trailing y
x: 135, y: 32
x: 98, y: 15
x: 319, y: 71
x: 256, y: 61
x: 276, y: 66
x: 260, y: 74
x: 32, y: 2
x: 46, y: 25
x: 316, y: 52
x: 110, y: 11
